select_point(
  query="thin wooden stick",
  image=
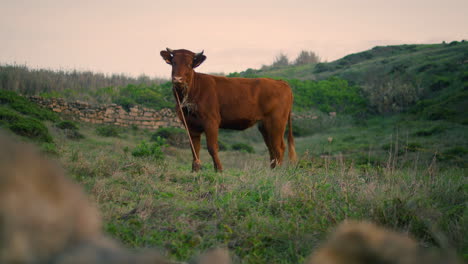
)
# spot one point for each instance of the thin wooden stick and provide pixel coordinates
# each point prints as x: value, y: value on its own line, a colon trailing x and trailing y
x: 186, y: 127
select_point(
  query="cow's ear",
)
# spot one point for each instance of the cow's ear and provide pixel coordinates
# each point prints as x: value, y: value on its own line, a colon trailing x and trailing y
x: 167, y: 57
x: 199, y: 59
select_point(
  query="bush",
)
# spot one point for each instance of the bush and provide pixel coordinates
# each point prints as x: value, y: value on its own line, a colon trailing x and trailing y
x: 174, y: 136
x: 300, y: 129
x: 322, y: 67
x: 167, y: 132
x: 69, y: 129
x: 222, y: 146
x: 66, y: 124
x: 439, y: 113
x: 454, y: 152
x: 125, y: 102
x: 154, y: 96
x: 430, y: 132
x: 332, y: 95
x: 413, y: 146
x: 243, y: 147
x: 151, y: 150
x: 31, y: 128
x: 391, y: 93
x: 8, y: 115
x: 49, y: 148
x: 108, y: 131
x: 26, y: 107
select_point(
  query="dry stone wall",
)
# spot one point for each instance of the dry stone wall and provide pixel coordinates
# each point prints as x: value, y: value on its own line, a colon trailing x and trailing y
x: 112, y: 114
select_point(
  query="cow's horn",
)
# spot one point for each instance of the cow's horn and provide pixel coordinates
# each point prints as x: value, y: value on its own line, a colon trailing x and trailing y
x: 200, y: 53
x: 170, y: 50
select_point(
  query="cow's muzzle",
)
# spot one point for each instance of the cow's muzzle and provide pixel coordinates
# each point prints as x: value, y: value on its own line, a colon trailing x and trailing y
x: 177, y: 80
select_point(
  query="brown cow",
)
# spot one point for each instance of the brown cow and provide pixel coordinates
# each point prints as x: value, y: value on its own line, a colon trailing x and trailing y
x: 212, y: 102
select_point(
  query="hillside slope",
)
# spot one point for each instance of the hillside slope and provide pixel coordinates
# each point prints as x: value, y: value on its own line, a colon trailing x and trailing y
x: 430, y: 80
x: 417, y: 58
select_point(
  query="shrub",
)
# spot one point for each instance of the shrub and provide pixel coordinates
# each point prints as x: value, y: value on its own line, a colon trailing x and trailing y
x: 322, y: 67
x: 26, y: 107
x: 66, y: 124
x: 125, y: 102
x: 430, y: 132
x: 173, y: 135
x: 453, y: 152
x: 73, y: 134
x: 166, y: 132
x: 243, y: 147
x: 151, y: 150
x: 222, y: 146
x: 307, y: 57
x: 108, y: 131
x: 440, y: 83
x: 439, y: 113
x: 8, y: 115
x: 300, y: 130
x: 69, y: 129
x: 390, y: 93
x: 31, y: 128
x: 281, y: 60
x: 413, y: 146
x: 332, y: 95
x: 49, y: 148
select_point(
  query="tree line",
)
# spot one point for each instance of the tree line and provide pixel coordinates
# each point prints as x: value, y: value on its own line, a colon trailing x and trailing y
x: 304, y: 57
x: 27, y: 81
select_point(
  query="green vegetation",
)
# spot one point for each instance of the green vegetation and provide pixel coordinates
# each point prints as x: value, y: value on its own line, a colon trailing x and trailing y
x: 332, y: 95
x: 395, y: 153
x: 24, y: 118
x: 243, y: 147
x: 25, y: 107
x: 429, y: 80
x: 154, y: 96
x: 21, y: 79
x: 271, y: 216
x: 173, y: 136
x: 70, y: 129
x: 108, y: 131
x: 31, y: 128
x: 151, y: 150
x: 67, y: 124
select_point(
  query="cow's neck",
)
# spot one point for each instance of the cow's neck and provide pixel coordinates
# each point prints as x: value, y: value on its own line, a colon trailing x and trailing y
x: 186, y: 95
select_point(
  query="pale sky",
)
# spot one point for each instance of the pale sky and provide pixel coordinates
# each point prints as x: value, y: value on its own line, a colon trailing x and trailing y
x: 115, y: 36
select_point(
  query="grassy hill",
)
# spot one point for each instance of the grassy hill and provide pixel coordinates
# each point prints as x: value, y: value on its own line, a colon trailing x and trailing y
x: 428, y: 80
x: 417, y: 59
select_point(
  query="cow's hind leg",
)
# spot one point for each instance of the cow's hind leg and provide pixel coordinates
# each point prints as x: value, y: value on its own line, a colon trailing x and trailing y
x: 275, y: 131
x: 212, y: 144
x: 261, y: 128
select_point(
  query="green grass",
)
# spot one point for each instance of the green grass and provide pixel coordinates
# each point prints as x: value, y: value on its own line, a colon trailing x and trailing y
x: 281, y: 215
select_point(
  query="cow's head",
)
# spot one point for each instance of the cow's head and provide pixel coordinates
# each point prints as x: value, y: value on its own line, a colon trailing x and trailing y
x: 183, y: 62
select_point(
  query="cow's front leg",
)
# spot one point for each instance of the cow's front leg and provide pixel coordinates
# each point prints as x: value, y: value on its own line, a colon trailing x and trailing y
x: 196, y: 163
x: 212, y: 144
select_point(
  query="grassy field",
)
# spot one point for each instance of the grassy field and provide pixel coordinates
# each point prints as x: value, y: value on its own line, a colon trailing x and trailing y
x: 399, y: 159
x: 277, y: 216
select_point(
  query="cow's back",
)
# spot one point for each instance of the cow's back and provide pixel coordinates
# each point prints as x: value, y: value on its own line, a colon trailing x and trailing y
x: 242, y: 102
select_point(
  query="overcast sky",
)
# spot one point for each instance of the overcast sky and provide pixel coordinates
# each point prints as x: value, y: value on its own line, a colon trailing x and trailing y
x: 114, y: 36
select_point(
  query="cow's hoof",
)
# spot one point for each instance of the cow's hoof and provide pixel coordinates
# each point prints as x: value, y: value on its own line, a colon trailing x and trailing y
x: 196, y: 166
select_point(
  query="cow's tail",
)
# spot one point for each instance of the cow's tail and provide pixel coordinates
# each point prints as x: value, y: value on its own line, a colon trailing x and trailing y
x: 291, y: 147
